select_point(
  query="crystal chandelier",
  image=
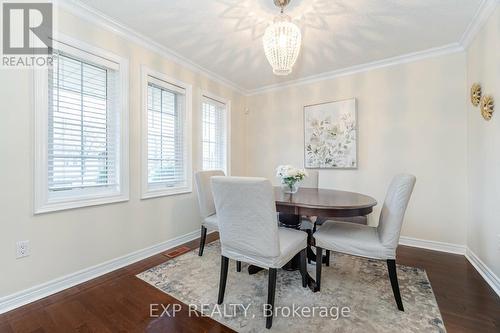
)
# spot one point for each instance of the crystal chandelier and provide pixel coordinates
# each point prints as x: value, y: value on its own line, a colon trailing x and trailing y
x: 282, y: 41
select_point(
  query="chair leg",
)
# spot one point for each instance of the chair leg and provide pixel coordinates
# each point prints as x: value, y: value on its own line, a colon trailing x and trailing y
x: 303, y: 267
x: 309, y: 241
x: 203, y: 237
x: 223, y: 278
x: 238, y: 266
x: 327, y: 254
x: 391, y: 267
x: 271, y: 291
x: 319, y: 264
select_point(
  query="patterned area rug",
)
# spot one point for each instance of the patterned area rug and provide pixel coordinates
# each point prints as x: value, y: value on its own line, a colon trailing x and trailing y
x: 356, y: 295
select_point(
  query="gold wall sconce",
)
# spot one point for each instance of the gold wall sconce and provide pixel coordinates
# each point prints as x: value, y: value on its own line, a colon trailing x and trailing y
x: 487, y: 107
x: 475, y: 94
x: 486, y: 103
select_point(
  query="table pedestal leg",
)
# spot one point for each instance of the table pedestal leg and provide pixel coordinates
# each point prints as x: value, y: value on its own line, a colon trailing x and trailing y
x: 293, y: 222
x: 312, y: 256
x: 252, y: 269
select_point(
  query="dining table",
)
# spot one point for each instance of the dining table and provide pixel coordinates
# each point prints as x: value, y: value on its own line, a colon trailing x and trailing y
x: 322, y: 204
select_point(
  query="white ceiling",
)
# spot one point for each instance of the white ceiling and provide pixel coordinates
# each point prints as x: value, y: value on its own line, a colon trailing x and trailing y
x: 225, y: 36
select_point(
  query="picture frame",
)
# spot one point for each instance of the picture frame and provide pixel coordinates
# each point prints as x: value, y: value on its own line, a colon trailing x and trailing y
x: 331, y: 135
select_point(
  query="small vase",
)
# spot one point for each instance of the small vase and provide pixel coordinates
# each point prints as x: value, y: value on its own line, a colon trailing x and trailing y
x: 290, y: 189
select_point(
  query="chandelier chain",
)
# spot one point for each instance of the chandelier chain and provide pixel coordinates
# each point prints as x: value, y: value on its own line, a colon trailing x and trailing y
x: 281, y: 4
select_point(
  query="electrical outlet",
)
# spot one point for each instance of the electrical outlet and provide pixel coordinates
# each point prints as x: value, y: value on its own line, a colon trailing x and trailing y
x: 23, y: 249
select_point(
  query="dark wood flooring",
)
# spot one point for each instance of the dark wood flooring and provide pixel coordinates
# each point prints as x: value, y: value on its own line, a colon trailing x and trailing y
x: 120, y: 302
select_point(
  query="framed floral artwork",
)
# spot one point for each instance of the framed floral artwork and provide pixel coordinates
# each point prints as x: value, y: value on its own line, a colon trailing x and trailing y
x: 330, y: 135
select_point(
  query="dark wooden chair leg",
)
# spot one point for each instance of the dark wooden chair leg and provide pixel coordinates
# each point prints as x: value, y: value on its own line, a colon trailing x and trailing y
x: 271, y: 291
x: 238, y: 266
x: 223, y: 278
x: 303, y: 267
x: 391, y: 267
x: 309, y: 241
x: 327, y: 255
x: 203, y: 237
x: 319, y: 260
x: 309, y: 235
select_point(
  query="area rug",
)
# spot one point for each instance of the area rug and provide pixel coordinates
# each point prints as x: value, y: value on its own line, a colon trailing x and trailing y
x: 355, y: 296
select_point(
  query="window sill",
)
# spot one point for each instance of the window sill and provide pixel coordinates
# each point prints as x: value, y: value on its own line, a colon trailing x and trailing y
x: 78, y: 203
x: 164, y: 192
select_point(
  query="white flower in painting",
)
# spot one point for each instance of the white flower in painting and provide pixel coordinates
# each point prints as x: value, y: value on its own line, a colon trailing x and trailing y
x: 332, y: 143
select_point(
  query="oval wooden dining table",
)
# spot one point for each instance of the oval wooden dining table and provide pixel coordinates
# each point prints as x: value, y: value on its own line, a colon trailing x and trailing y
x: 322, y: 203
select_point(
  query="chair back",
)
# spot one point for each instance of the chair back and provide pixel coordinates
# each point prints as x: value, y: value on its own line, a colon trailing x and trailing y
x: 246, y: 212
x: 204, y: 191
x: 393, y: 211
x: 311, y: 181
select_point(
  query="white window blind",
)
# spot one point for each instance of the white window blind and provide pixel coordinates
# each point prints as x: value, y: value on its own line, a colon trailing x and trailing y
x: 82, y: 136
x: 166, y: 147
x: 214, y: 137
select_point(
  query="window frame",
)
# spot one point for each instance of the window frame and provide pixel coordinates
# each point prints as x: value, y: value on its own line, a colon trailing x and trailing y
x: 227, y: 103
x: 147, y: 191
x: 44, y: 202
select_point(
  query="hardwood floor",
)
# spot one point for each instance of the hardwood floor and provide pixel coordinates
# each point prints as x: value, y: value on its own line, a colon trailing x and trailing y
x: 466, y: 301
x: 120, y: 302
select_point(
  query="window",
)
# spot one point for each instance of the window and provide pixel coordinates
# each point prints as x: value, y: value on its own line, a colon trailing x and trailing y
x: 81, y: 117
x: 214, y: 139
x: 81, y: 151
x: 166, y: 135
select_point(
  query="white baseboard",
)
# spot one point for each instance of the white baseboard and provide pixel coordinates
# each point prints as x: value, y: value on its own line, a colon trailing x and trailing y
x: 485, y: 271
x: 433, y: 245
x: 32, y: 294
x: 35, y: 293
x: 479, y: 265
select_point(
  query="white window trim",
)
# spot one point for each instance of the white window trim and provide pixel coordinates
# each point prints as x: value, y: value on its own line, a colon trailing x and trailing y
x: 146, y: 191
x: 42, y: 203
x: 227, y: 102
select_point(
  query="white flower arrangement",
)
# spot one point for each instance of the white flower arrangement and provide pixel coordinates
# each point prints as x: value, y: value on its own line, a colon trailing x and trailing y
x: 290, y: 175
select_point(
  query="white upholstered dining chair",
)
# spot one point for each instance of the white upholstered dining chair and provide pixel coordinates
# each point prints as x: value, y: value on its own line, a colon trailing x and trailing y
x: 249, y: 231
x: 206, y: 203
x: 371, y: 242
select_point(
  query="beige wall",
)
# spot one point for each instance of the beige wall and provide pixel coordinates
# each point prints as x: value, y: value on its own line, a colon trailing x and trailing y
x: 411, y: 118
x: 68, y: 241
x: 483, y: 66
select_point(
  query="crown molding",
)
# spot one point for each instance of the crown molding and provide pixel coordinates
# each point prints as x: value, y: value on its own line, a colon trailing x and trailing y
x: 483, y: 13
x: 402, y: 59
x: 77, y: 8
x: 90, y: 14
